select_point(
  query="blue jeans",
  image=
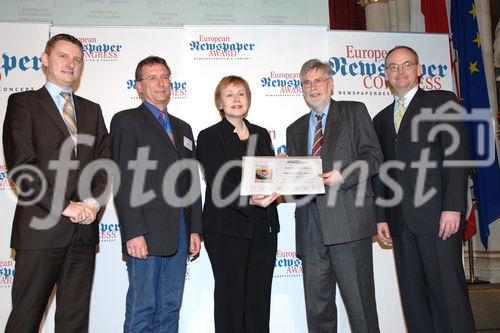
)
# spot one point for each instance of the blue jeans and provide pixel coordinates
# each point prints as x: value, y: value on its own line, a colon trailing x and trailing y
x: 154, y: 295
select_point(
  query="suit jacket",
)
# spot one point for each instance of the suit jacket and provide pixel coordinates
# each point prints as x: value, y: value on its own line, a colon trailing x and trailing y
x: 450, y: 184
x: 349, y: 137
x: 158, y: 218
x: 218, y: 145
x: 33, y: 133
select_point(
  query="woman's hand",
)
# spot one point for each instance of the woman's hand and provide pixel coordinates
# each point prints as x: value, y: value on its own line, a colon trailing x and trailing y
x: 263, y: 200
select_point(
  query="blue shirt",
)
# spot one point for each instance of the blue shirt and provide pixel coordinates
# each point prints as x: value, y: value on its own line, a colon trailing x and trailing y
x: 54, y: 92
x: 157, y: 113
x: 313, y: 121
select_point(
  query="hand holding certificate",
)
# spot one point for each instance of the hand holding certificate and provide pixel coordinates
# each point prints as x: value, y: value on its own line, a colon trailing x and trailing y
x: 283, y: 175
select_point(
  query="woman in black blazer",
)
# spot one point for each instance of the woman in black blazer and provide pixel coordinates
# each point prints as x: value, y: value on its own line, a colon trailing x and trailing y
x: 240, y: 232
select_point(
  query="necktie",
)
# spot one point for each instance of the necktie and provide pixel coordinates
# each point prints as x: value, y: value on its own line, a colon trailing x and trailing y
x: 400, y: 112
x: 318, y: 137
x: 69, y: 115
x: 166, y: 125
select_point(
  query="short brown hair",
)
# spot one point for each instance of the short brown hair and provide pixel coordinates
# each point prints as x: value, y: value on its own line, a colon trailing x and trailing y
x: 150, y: 61
x: 65, y: 37
x: 225, y: 82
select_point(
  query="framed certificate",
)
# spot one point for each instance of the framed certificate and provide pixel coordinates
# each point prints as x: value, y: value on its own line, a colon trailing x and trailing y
x: 283, y: 175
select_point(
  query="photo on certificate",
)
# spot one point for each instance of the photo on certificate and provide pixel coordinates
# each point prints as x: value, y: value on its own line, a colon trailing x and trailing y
x: 263, y: 173
x: 283, y: 175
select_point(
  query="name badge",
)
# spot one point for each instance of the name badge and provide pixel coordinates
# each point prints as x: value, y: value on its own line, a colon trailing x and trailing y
x: 188, y: 144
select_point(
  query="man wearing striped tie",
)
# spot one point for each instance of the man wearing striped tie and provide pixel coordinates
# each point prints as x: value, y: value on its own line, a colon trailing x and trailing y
x: 334, y: 230
x: 426, y: 235
x: 55, y: 231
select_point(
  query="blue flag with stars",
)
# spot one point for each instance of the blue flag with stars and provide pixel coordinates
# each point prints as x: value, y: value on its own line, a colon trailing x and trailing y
x: 474, y: 94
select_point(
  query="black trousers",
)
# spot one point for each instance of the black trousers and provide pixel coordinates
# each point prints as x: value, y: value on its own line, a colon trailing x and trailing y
x: 432, y: 283
x: 71, y: 269
x: 243, y: 273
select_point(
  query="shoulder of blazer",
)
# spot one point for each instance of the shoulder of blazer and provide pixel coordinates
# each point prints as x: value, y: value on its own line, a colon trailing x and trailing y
x: 346, y: 107
x: 256, y: 128
x: 179, y: 122
x: 129, y: 113
x: 83, y: 101
x: 299, y: 123
x: 25, y: 97
x: 214, y: 130
x: 435, y: 96
x: 385, y: 112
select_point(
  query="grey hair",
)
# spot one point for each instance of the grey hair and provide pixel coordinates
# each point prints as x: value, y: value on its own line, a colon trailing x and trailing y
x: 315, y: 64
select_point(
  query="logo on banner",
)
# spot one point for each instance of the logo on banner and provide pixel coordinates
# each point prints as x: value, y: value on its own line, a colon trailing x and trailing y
x: 287, y: 264
x: 17, y: 63
x: 109, y: 233
x: 178, y: 89
x: 6, y: 273
x: 367, y: 65
x: 220, y: 48
x: 5, y: 182
x: 95, y: 51
x: 281, y: 84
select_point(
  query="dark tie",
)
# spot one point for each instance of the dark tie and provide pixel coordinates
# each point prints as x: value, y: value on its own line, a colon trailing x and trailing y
x: 318, y: 137
x: 166, y: 125
x: 69, y: 115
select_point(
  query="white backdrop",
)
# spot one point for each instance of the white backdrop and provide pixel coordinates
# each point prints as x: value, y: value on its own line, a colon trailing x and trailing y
x: 270, y: 59
x: 20, y: 69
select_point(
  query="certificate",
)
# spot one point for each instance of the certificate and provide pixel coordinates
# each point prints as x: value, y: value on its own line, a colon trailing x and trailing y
x: 283, y: 175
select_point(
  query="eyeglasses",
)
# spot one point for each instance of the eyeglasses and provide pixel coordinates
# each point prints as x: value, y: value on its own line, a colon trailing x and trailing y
x: 316, y: 82
x: 154, y: 78
x: 396, y: 67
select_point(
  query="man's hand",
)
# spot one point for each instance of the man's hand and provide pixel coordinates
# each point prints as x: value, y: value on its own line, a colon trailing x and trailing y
x: 194, y: 245
x: 332, y: 178
x: 90, y: 213
x: 384, y: 234
x: 448, y: 224
x: 75, y: 211
x: 137, y: 248
x: 263, y: 200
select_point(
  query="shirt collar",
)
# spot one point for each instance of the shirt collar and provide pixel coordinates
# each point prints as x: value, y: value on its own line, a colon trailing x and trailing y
x: 54, y: 90
x: 153, y: 109
x: 324, y: 112
x: 230, y: 127
x: 408, y: 97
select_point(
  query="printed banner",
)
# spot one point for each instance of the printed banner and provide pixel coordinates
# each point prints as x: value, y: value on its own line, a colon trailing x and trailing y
x: 269, y: 58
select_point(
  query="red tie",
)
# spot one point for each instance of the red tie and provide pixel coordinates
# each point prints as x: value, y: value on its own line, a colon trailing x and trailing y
x: 318, y: 137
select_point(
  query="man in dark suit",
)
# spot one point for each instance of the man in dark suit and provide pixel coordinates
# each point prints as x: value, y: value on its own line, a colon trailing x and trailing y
x: 158, y: 201
x: 55, y: 231
x: 334, y: 231
x: 426, y: 232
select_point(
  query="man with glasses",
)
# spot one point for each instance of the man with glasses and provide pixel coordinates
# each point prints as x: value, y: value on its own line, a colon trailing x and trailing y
x: 426, y: 234
x: 158, y: 230
x: 334, y: 230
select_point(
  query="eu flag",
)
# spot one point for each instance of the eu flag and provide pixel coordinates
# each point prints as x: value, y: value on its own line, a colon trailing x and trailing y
x: 474, y: 94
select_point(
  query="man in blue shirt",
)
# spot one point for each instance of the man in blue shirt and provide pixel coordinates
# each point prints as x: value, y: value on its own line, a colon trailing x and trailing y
x: 334, y: 230
x: 159, y: 215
